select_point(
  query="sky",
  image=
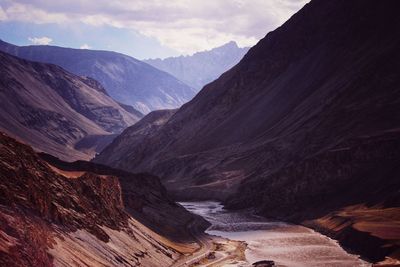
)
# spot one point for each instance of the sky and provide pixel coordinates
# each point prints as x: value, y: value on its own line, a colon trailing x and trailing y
x: 142, y: 28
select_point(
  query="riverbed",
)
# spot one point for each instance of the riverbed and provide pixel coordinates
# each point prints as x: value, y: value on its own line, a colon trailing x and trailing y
x: 286, y: 244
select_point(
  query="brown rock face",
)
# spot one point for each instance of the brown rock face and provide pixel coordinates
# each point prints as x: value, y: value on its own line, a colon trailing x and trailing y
x: 30, y: 185
x: 51, y: 215
x: 32, y: 198
x: 144, y: 198
x: 370, y: 230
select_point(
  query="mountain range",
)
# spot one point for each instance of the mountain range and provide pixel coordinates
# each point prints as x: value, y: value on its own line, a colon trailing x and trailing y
x: 126, y: 79
x: 305, y: 126
x: 203, y: 67
x: 58, y: 112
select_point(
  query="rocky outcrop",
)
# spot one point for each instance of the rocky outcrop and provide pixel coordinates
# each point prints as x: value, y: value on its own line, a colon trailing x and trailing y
x: 144, y: 198
x: 203, y: 67
x: 37, y: 198
x: 125, y: 78
x: 53, y: 110
x: 369, y: 230
x: 50, y: 216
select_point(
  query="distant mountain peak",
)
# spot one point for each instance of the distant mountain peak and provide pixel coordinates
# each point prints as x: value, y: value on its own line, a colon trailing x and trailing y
x: 202, y: 67
x: 230, y: 44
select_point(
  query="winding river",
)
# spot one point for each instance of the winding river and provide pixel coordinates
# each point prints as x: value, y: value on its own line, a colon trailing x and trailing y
x: 285, y: 244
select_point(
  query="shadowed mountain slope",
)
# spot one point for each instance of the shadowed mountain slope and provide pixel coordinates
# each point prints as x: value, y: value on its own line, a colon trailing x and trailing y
x: 53, y: 110
x: 136, y: 137
x: 306, y: 124
x: 125, y: 78
x: 305, y: 88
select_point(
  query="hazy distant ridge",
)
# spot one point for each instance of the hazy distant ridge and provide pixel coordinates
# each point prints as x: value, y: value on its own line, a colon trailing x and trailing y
x: 202, y: 67
x: 125, y: 78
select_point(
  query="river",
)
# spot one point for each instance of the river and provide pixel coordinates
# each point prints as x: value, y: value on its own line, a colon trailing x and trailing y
x: 286, y: 244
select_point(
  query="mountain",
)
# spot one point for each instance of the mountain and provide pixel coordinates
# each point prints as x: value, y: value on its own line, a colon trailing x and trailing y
x: 135, y: 137
x: 203, y: 67
x: 125, y: 78
x: 56, y: 111
x: 76, y: 214
x: 305, y: 126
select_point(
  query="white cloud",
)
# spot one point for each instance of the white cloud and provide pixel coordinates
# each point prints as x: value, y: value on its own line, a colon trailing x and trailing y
x: 85, y: 46
x: 183, y: 25
x: 40, y: 40
x: 28, y: 13
x: 3, y: 15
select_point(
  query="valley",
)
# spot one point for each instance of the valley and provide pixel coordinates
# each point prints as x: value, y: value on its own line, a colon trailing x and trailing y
x: 266, y: 134
x: 304, y: 127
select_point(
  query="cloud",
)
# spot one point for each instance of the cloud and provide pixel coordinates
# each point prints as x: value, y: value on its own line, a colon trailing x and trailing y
x: 29, y: 13
x: 85, y: 46
x: 3, y: 15
x: 40, y: 40
x: 183, y: 25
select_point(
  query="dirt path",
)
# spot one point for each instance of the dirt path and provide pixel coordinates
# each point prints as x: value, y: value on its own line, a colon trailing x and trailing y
x: 213, y: 251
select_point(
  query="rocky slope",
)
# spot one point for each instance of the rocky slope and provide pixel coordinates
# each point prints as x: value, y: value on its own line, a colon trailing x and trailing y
x: 131, y: 141
x: 305, y: 125
x: 371, y: 231
x: 143, y: 196
x: 203, y: 67
x: 92, y: 215
x: 54, y: 110
x: 126, y: 79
